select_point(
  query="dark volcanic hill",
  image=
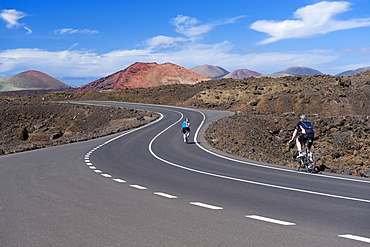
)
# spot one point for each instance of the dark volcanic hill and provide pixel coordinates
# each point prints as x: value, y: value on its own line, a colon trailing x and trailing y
x: 31, y: 80
x: 242, y: 73
x: 354, y: 72
x: 145, y: 75
x: 299, y: 70
x: 214, y: 72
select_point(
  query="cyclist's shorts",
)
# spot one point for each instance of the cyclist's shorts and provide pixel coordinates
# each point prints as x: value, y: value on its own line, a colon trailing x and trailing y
x: 306, y: 137
x: 186, y: 129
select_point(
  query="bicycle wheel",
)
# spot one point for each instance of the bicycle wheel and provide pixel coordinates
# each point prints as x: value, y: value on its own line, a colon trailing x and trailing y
x: 311, y: 163
x: 295, y: 161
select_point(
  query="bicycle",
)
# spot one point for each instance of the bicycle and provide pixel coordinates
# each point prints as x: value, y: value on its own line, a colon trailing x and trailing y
x: 185, y: 135
x: 306, y: 162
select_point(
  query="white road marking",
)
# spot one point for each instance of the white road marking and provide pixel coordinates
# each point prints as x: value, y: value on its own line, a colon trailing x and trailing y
x: 165, y: 195
x: 119, y: 180
x: 200, y: 204
x: 106, y: 175
x: 354, y: 237
x: 98, y: 171
x: 138, y: 187
x: 88, y: 163
x: 92, y: 167
x: 280, y: 222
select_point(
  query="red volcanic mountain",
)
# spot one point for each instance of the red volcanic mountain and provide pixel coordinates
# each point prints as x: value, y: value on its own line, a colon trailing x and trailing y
x: 31, y: 80
x: 144, y: 75
x: 242, y: 73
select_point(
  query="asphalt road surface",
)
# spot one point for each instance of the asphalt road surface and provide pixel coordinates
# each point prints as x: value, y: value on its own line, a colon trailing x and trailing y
x: 146, y: 187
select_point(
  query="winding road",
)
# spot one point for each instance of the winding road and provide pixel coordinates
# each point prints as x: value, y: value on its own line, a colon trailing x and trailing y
x: 145, y: 187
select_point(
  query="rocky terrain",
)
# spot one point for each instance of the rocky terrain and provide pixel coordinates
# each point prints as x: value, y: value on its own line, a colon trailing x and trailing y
x: 27, y: 125
x: 266, y: 111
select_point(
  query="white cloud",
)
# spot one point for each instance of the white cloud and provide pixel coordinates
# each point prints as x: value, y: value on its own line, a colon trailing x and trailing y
x: 363, y: 50
x: 11, y: 17
x: 74, y: 31
x: 310, y: 20
x: 164, y: 42
x: 192, y: 27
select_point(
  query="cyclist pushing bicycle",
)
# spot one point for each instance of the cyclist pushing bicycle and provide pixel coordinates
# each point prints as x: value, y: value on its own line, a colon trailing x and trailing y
x: 185, y: 129
x: 307, y: 135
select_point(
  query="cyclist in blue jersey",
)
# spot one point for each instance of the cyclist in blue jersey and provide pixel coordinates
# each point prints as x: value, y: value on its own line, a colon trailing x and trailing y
x: 307, y: 131
x: 185, y: 129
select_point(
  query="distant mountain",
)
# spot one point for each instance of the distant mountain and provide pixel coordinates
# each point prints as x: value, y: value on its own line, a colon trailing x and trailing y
x: 31, y: 80
x: 214, y: 72
x: 277, y: 75
x: 145, y: 75
x: 243, y: 73
x: 299, y: 70
x: 354, y: 72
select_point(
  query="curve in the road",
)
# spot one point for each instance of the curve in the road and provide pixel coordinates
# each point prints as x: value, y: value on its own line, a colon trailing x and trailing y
x: 224, y: 157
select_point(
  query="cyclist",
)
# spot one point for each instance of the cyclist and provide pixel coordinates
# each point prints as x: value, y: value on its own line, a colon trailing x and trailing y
x: 306, y: 128
x: 185, y: 128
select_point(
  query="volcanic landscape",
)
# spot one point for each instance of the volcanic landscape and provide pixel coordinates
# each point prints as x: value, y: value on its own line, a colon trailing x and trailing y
x: 266, y: 111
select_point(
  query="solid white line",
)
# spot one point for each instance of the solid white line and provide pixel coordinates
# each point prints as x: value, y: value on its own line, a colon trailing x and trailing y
x: 138, y: 187
x: 165, y: 195
x: 354, y: 237
x: 200, y: 204
x: 280, y: 222
x: 119, y: 180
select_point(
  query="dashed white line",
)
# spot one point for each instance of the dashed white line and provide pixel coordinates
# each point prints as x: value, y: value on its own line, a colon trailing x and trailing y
x: 98, y: 171
x: 88, y: 163
x: 200, y: 204
x: 106, y: 175
x: 119, y: 180
x: 92, y: 167
x: 138, y: 187
x: 165, y: 195
x: 354, y: 237
x: 280, y: 222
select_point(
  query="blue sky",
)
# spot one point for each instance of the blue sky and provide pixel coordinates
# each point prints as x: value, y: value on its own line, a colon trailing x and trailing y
x: 79, y: 41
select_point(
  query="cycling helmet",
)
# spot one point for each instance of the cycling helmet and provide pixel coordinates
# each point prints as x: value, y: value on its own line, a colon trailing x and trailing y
x: 304, y: 117
x: 187, y: 119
